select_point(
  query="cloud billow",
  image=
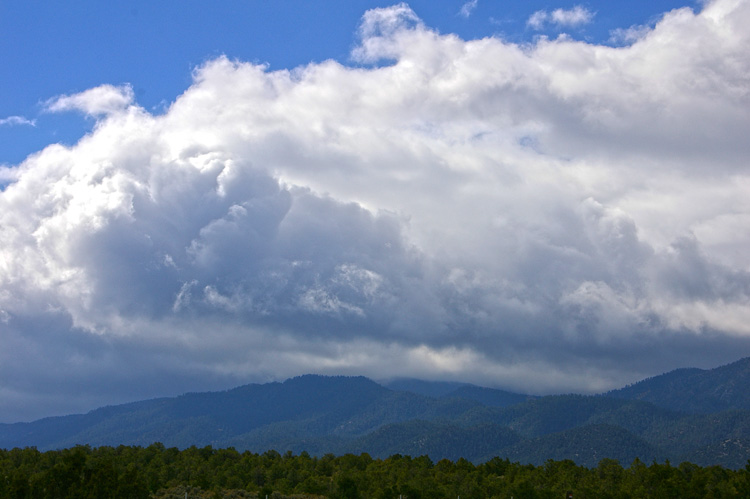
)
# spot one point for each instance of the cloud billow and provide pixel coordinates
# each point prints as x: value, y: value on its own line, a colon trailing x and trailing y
x: 560, y: 18
x: 553, y: 217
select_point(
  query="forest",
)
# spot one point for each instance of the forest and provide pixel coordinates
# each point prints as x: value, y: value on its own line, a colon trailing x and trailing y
x: 157, y: 471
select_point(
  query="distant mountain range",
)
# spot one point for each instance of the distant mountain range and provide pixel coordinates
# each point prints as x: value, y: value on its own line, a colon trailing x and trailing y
x: 702, y: 416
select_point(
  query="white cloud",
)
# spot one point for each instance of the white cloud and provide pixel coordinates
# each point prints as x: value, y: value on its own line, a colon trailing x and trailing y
x: 16, y: 120
x: 629, y: 35
x: 381, y: 30
x: 476, y: 209
x: 573, y: 17
x: 468, y: 7
x: 561, y: 18
x: 538, y: 19
x: 101, y: 100
x: 8, y: 175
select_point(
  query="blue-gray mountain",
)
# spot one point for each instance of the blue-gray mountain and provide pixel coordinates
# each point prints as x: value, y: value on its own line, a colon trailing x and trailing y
x: 696, y: 391
x: 686, y: 415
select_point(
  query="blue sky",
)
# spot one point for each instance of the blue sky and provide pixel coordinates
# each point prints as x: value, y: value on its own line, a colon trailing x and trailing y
x: 543, y: 197
x: 53, y: 48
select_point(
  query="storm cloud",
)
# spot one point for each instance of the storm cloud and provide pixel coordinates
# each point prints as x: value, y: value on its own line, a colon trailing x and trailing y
x: 555, y: 216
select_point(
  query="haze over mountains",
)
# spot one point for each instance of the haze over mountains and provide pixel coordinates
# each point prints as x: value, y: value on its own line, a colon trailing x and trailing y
x: 702, y: 416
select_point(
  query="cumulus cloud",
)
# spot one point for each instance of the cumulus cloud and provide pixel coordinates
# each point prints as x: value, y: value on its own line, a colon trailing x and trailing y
x: 7, y: 175
x: 560, y: 216
x: 560, y: 18
x: 382, y: 32
x: 629, y: 35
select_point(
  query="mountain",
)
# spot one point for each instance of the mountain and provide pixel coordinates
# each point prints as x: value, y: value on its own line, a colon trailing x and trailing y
x: 586, y: 445
x: 557, y: 413
x: 339, y: 415
x: 420, y: 387
x: 554, y: 426
x: 437, y: 440
x: 695, y: 391
x: 490, y: 397
x: 250, y: 416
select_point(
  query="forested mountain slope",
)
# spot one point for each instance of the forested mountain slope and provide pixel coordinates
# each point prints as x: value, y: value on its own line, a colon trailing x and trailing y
x: 695, y: 390
x: 341, y: 415
x: 307, y: 406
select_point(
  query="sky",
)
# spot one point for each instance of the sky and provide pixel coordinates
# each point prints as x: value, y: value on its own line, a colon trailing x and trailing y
x: 537, y: 196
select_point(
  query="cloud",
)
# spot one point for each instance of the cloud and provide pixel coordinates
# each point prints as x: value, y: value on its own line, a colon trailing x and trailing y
x: 468, y: 7
x: 629, y: 35
x: 561, y: 216
x: 560, y: 18
x: 101, y: 100
x: 381, y: 30
x: 16, y: 120
x: 538, y: 19
x: 573, y: 17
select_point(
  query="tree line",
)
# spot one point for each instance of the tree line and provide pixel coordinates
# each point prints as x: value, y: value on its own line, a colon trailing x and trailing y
x: 156, y: 471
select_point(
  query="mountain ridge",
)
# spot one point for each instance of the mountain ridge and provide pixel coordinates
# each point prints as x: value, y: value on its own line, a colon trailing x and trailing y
x: 341, y: 414
x: 695, y: 391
